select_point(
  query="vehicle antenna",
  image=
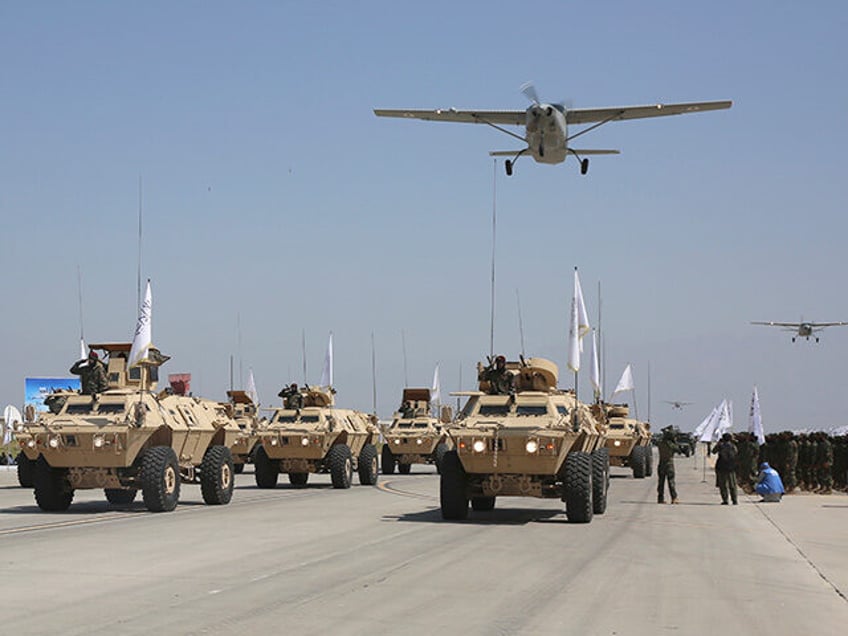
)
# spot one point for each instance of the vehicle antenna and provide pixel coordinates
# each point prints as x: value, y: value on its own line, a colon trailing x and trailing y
x: 238, y: 330
x: 520, y: 322
x: 231, y: 372
x: 600, y: 348
x: 494, y: 228
x: 79, y: 290
x: 303, y: 352
x: 373, y: 375
x: 460, y: 387
x: 403, y: 344
x: 138, y: 299
x: 649, y: 391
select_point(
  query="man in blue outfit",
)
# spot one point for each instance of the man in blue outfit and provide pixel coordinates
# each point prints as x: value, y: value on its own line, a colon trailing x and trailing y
x: 769, y: 485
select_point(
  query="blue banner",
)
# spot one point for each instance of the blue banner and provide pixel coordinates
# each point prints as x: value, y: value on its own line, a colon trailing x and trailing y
x: 39, y: 388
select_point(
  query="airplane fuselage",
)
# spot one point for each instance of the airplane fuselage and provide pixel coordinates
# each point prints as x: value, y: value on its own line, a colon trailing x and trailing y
x: 547, y: 133
x: 805, y: 330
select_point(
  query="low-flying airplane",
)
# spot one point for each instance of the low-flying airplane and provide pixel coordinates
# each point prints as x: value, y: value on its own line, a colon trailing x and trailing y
x: 802, y: 329
x: 546, y: 133
x: 676, y: 404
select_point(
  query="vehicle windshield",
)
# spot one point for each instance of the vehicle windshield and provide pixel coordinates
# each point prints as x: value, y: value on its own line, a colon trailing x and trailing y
x: 494, y: 409
x: 79, y: 409
x: 531, y: 409
x: 106, y: 408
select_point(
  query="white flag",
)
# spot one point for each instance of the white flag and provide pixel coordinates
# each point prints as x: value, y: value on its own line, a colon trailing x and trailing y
x: 83, y: 354
x: 725, y: 420
x: 705, y: 428
x: 596, y: 367
x: 579, y: 326
x: 11, y: 416
x: 327, y: 372
x: 626, y: 381
x: 142, y: 340
x: 436, y: 391
x: 251, y: 388
x: 755, y: 423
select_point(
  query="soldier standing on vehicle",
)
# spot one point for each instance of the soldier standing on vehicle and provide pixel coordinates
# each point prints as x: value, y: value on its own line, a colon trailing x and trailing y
x: 92, y: 374
x: 665, y: 469
x: 725, y: 468
x: 406, y: 410
x: 292, y: 397
x: 498, y: 377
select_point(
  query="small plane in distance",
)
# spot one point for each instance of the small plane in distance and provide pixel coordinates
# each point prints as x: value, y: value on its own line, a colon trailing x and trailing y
x: 546, y: 132
x: 802, y: 329
x: 677, y: 405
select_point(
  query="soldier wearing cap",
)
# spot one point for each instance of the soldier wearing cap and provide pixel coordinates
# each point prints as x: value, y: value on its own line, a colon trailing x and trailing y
x: 92, y: 374
x: 498, y: 377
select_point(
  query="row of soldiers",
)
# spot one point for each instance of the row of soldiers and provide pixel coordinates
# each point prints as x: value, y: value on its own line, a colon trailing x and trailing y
x: 814, y: 462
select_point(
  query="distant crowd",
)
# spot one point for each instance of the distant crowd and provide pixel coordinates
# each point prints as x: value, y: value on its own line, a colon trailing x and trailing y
x: 814, y: 462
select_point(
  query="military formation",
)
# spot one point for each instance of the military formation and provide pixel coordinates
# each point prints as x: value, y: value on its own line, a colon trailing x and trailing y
x: 810, y: 462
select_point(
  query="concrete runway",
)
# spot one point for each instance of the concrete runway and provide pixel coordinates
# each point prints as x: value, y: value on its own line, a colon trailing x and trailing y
x: 379, y: 560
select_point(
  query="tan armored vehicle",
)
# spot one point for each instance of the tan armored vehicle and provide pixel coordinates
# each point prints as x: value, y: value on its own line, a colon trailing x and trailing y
x: 309, y: 435
x: 242, y: 409
x: 414, y: 436
x: 628, y: 440
x: 537, y: 441
x: 130, y: 438
x: 26, y: 466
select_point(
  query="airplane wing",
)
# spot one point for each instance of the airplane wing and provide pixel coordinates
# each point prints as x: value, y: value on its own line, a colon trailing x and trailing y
x: 794, y: 325
x: 512, y: 153
x: 828, y: 324
x: 503, y: 117
x: 616, y: 113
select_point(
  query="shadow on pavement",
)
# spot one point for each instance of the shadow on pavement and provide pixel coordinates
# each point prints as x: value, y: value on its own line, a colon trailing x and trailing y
x: 498, y: 516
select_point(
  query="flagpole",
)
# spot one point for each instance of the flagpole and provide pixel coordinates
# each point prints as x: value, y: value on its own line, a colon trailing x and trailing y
x: 494, y: 228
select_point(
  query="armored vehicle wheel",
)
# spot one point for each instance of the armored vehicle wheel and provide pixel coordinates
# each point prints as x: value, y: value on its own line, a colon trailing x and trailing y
x: 341, y: 466
x: 298, y: 479
x: 238, y: 469
x: 404, y: 469
x: 579, y: 506
x: 265, y: 471
x: 387, y: 460
x: 368, y: 470
x: 600, y: 480
x: 216, y: 476
x: 120, y: 495
x: 441, y: 449
x: 53, y: 493
x: 649, y: 461
x: 483, y: 504
x: 637, y: 462
x: 160, y: 479
x: 452, y: 494
x: 26, y: 468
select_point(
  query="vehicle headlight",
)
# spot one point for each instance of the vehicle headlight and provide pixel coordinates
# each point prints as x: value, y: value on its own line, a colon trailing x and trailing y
x: 617, y: 443
x: 54, y: 442
x: 273, y: 441
x: 98, y: 441
x: 397, y: 441
x: 31, y: 443
x: 532, y: 446
x: 304, y: 441
x: 419, y: 441
x: 479, y: 446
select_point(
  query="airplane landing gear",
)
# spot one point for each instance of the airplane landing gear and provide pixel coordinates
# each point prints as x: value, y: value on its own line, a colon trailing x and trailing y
x: 508, y: 166
x: 817, y: 339
x: 584, y: 166
x: 793, y: 339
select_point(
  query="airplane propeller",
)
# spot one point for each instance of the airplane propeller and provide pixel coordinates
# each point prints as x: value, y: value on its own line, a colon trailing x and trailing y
x: 530, y: 93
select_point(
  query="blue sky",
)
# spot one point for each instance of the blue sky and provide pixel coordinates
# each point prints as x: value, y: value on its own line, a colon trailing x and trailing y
x: 276, y: 203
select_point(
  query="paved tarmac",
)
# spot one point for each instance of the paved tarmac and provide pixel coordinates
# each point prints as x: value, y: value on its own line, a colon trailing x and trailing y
x: 380, y: 560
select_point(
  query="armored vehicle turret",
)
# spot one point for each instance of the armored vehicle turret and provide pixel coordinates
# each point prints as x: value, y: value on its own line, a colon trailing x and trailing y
x: 130, y: 438
x: 628, y: 440
x: 308, y: 434
x: 414, y: 436
x: 533, y: 440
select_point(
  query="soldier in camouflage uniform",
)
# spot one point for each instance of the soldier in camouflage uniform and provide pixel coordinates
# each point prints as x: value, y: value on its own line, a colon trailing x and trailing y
x: 292, y: 397
x: 790, y: 477
x: 743, y: 465
x: 92, y: 374
x: 806, y: 459
x: 498, y: 377
x: 840, y: 462
x: 824, y: 463
x: 665, y: 469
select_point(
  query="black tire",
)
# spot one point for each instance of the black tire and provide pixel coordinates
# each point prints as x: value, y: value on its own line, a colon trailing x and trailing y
x: 120, y: 496
x: 265, y: 471
x: 452, y: 488
x: 637, y: 462
x: 441, y: 449
x: 238, y: 469
x: 649, y: 461
x: 369, y: 472
x: 26, y: 470
x: 600, y: 480
x: 160, y: 479
x: 298, y: 479
x: 341, y: 466
x: 217, y: 477
x: 482, y: 504
x: 404, y: 469
x: 579, y: 506
x: 387, y: 460
x: 53, y: 493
